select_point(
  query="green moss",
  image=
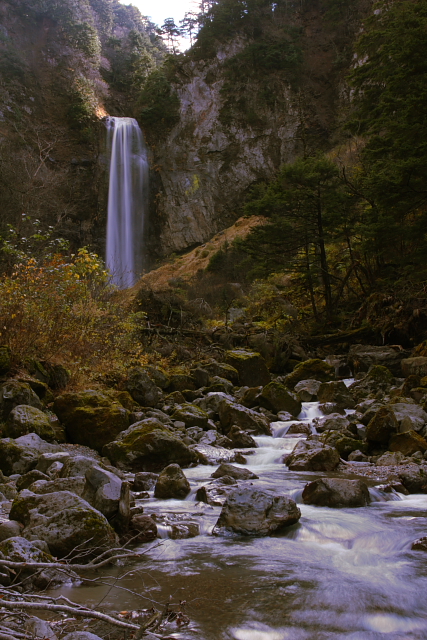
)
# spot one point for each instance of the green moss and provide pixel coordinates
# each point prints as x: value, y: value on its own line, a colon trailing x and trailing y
x: 315, y: 369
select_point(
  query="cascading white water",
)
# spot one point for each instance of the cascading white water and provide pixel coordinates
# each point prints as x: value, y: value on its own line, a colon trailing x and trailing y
x: 127, y: 200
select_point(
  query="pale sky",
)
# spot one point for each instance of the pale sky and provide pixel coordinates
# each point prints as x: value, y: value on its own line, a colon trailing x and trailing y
x: 159, y: 10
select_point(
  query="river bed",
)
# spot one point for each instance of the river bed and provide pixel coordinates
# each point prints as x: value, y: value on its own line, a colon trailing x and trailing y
x: 337, y: 574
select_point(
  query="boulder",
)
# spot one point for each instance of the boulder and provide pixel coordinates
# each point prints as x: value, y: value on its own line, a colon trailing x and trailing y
x: 19, y: 549
x: 184, y: 530
x: 102, y: 490
x: 231, y: 413
x: 421, y: 543
x: 377, y: 379
x: 201, y: 377
x: 91, y: 418
x: 332, y: 422
x: 208, y: 454
x: 251, y: 367
x: 191, y: 415
x: 382, y: 426
x: 172, y: 483
x: 81, y: 635
x: 361, y: 357
x: 410, y: 417
x: 312, y: 455
x: 240, y: 439
x: 337, y: 393
x: 307, y: 390
x: 181, y: 382
x: 219, y: 384
x: 28, y: 478
x: 276, y: 397
x: 408, y: 443
x: 390, y: 459
x: 256, y: 513
x: 25, y: 419
x: 299, y: 427
x: 148, y: 446
x: 413, y: 478
x: 315, y: 368
x: 14, y: 393
x: 159, y: 377
x: 414, y: 366
x: 21, y: 455
x: 77, y: 466
x: 344, y: 443
x: 144, y: 481
x: 142, y: 389
x: 37, y: 628
x: 63, y: 520
x: 75, y: 485
x: 142, y: 528
x: 226, y: 469
x: 223, y: 370
x: 212, y: 401
x: 216, y: 492
x: 47, y: 459
x: 10, y: 529
x: 336, y: 493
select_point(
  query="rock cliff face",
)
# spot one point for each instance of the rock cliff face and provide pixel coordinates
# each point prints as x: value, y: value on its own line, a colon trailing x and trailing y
x: 236, y: 131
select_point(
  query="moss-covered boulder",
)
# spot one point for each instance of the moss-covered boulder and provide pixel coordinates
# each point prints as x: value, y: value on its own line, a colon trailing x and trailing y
x: 158, y: 376
x: 415, y: 366
x: 276, y: 397
x: 181, y: 382
x: 5, y: 360
x: 310, y: 369
x: 191, y: 415
x: 377, y: 379
x: 344, y: 443
x: 25, y: 419
x: 172, y: 483
x: 382, y: 426
x: 21, y: 455
x: 408, y: 443
x: 336, y: 392
x: 142, y: 389
x: 232, y: 413
x: 63, y: 520
x: 148, y: 446
x: 222, y: 370
x: 251, y: 367
x: 14, y: 393
x: 91, y: 418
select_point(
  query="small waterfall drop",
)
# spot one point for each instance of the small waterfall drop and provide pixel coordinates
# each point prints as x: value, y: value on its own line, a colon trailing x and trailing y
x: 127, y: 200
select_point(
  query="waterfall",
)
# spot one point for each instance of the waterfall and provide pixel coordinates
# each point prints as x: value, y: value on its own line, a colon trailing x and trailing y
x: 127, y: 200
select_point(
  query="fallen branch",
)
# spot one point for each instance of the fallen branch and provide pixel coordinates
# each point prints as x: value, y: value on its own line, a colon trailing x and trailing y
x: 84, y: 613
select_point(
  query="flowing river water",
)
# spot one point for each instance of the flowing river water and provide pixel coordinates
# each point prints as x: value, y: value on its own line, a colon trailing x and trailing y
x: 338, y: 573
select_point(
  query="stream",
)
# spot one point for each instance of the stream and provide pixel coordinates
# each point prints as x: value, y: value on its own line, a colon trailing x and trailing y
x: 338, y: 573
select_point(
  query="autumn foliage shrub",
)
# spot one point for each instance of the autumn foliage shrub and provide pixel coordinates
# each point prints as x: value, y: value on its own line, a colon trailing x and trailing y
x: 63, y: 310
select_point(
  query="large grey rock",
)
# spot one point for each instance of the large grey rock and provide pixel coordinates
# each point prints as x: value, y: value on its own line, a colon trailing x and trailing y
x: 241, y: 439
x: 361, y: 357
x: 191, y: 415
x: 337, y: 393
x: 222, y: 370
x: 10, y: 529
x: 336, y: 493
x: 377, y: 379
x: 213, y: 400
x: 63, y: 520
x: 410, y: 417
x: 142, y: 389
x: 75, y: 484
x: 277, y: 397
x: 414, y: 366
x: 21, y: 455
x: 19, y: 549
x: 47, y: 459
x: 215, y: 493
x: 209, y: 454
x: 25, y: 419
x: 312, y: 455
x: 251, y: 367
x: 172, y: 483
x: 332, y: 422
x: 37, y: 628
x: 144, y: 481
x: 77, y: 466
x: 231, y: 413
x: 307, y: 390
x: 28, y: 478
x: 14, y: 393
x: 102, y: 490
x: 253, y: 512
x: 382, y: 426
x: 231, y: 471
x: 408, y: 443
x: 148, y: 446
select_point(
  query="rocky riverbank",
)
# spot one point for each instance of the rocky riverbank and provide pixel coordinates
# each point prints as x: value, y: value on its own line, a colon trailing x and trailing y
x: 76, y: 468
